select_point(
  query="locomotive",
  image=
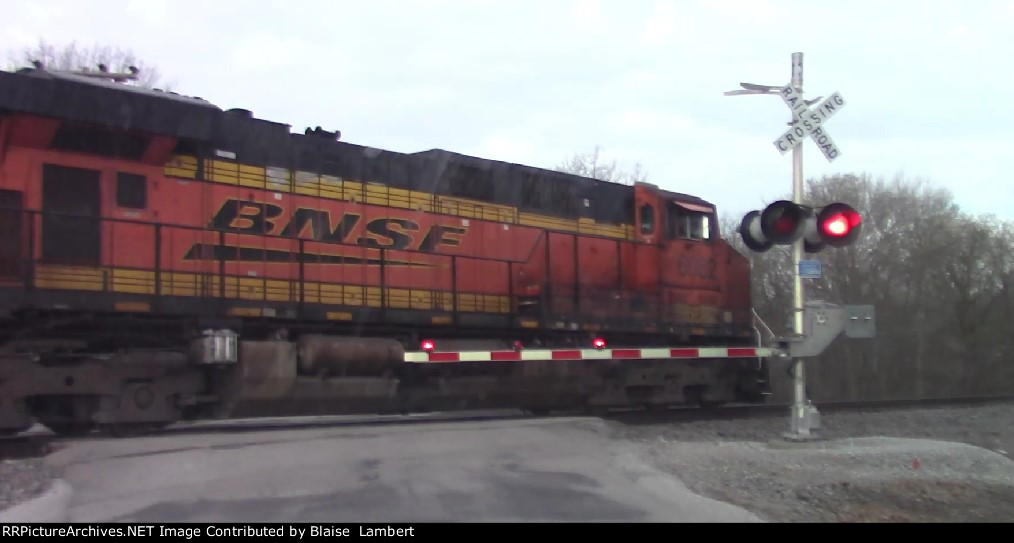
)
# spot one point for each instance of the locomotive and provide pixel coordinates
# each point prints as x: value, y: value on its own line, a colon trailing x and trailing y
x: 163, y: 259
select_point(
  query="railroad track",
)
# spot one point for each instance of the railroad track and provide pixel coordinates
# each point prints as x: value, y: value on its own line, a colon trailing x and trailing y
x: 781, y: 409
x: 32, y: 445
x: 39, y: 441
x: 338, y: 421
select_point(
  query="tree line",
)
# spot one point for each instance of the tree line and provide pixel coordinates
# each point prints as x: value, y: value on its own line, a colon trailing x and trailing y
x: 940, y: 280
x: 75, y: 57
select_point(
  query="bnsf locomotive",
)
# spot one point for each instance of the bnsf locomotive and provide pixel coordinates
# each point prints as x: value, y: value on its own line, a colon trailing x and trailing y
x: 164, y: 259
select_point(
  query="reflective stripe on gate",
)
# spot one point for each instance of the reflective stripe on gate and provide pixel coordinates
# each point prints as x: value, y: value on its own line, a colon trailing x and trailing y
x: 592, y: 354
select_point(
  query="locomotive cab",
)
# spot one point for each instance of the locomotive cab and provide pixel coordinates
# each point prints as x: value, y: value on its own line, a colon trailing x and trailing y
x: 697, y: 274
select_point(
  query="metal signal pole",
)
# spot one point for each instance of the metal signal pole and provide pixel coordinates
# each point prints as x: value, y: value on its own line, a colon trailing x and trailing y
x: 802, y: 411
x: 803, y: 416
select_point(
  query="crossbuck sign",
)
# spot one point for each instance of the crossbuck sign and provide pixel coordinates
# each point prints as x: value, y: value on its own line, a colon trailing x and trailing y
x: 809, y: 122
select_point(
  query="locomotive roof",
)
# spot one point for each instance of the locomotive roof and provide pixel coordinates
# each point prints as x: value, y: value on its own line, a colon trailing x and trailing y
x: 97, y: 79
x: 572, y: 177
x: 89, y: 100
x: 99, y: 101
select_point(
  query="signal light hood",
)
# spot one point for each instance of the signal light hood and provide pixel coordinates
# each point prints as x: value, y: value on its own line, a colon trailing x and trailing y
x: 783, y: 222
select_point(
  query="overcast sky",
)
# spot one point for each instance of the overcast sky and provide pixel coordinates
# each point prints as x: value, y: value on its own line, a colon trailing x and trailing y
x: 928, y: 84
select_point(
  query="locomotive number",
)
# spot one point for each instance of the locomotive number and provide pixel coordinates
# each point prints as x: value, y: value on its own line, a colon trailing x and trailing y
x: 690, y: 266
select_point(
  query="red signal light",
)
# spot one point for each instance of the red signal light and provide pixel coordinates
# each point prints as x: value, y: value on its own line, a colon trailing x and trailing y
x: 599, y: 343
x: 427, y: 345
x: 839, y: 224
x: 782, y: 222
x: 784, y: 226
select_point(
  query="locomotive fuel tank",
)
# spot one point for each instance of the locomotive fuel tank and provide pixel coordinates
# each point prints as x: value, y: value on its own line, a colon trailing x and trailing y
x: 337, y: 355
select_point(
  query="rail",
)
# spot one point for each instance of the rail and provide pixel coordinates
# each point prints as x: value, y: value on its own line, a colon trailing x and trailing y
x: 39, y: 441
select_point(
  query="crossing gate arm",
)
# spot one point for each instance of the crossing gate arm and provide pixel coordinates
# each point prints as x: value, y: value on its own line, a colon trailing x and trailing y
x: 659, y: 353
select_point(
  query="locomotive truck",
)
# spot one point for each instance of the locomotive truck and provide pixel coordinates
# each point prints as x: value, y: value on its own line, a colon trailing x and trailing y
x: 163, y: 259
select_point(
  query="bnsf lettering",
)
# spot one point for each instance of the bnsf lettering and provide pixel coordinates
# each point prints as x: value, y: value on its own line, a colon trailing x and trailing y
x: 247, y: 217
x: 442, y: 235
x: 390, y: 234
x: 320, y: 225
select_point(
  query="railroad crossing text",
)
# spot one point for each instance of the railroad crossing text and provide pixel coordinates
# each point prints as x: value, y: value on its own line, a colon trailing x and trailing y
x: 809, y: 122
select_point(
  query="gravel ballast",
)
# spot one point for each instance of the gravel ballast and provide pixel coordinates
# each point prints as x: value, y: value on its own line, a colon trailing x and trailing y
x: 906, y: 465
x: 943, y: 464
x: 23, y: 479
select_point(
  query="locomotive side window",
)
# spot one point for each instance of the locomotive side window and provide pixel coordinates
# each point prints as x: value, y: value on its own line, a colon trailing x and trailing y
x: 686, y: 224
x: 647, y: 219
x: 677, y: 224
x: 131, y: 190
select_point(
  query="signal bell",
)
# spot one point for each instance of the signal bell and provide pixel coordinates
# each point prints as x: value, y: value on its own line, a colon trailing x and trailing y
x: 784, y: 223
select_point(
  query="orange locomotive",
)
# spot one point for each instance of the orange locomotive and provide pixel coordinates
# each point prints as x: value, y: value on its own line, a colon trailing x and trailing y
x: 162, y: 258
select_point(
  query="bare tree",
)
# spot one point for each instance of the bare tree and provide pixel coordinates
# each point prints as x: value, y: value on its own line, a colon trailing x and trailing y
x: 592, y: 165
x: 939, y: 279
x: 78, y: 58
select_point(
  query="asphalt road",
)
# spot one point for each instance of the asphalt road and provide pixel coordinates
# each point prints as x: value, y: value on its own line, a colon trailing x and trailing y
x: 481, y: 471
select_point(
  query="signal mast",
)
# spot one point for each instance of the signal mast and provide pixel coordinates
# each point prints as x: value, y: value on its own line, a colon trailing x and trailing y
x: 805, y: 228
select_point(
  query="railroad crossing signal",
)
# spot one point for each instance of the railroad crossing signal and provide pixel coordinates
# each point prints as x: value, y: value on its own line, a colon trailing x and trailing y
x: 809, y: 122
x: 783, y: 223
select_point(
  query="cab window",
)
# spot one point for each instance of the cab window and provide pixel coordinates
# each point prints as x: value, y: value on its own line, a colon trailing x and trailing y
x: 684, y: 223
x: 647, y: 219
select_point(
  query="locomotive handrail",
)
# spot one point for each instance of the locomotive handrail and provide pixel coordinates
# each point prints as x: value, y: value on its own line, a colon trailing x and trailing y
x: 122, y: 220
x: 758, y: 320
x: 31, y: 257
x: 173, y: 279
x: 542, y: 228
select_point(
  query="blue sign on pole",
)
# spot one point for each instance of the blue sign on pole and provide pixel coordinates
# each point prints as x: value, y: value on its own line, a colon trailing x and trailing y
x: 809, y: 269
